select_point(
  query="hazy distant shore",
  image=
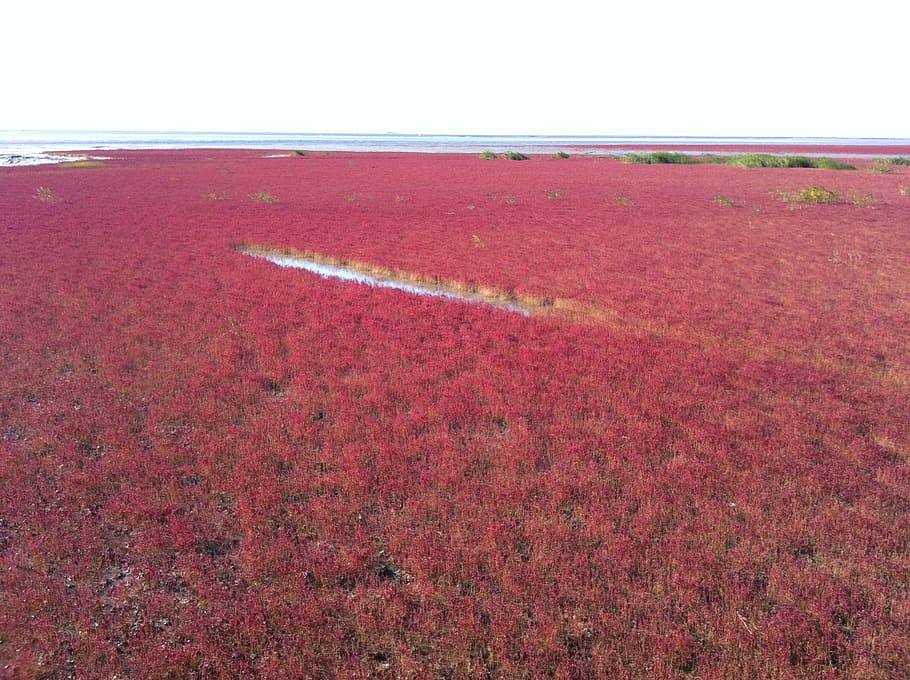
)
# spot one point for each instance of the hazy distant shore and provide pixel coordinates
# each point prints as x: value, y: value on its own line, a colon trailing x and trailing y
x: 33, y: 147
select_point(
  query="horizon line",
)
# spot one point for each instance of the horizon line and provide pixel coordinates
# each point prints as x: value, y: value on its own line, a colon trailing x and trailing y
x: 447, y: 134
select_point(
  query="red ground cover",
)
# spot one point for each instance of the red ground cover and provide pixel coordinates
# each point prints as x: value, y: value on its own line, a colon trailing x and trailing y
x: 210, y: 466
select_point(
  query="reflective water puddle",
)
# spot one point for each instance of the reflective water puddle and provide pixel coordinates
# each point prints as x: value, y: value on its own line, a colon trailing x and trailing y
x: 332, y: 271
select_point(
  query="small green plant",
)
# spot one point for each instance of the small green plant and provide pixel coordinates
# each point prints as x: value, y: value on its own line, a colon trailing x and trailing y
x: 264, y: 197
x: 862, y: 200
x: 562, y: 154
x: 46, y: 195
x: 515, y: 156
x: 723, y: 200
x: 488, y: 155
x: 897, y: 160
x: 623, y: 201
x: 811, y: 195
x: 298, y: 152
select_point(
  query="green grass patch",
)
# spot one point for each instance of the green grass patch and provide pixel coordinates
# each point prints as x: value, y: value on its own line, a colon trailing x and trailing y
x: 831, y: 164
x: 81, y: 164
x: 750, y: 160
x: 659, y: 158
x: 488, y: 155
x: 897, y: 160
x: 515, y: 156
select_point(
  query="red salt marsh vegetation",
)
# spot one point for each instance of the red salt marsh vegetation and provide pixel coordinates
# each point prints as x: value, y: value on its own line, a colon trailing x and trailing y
x: 690, y: 460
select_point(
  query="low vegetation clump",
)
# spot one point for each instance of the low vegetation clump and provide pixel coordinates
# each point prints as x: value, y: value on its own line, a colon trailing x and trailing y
x: 771, y: 161
x: 897, y: 160
x: 298, y: 152
x: 811, y: 195
x: 264, y: 197
x: 831, y: 164
x: 883, y: 167
x: 723, y: 200
x: 752, y: 160
x: 562, y: 154
x: 659, y: 158
x: 862, y: 200
x: 75, y: 165
x: 46, y: 195
x: 508, y: 155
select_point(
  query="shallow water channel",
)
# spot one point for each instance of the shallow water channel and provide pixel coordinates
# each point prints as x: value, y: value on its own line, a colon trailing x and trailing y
x: 330, y: 271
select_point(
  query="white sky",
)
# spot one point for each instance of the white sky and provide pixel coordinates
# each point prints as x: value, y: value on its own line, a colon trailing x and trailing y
x: 795, y: 68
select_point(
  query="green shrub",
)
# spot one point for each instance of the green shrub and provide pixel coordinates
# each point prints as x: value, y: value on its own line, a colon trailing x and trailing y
x: 897, y: 160
x: 811, y: 195
x: 488, y: 155
x: 515, y: 156
x: 831, y: 164
x: 659, y: 158
x: 562, y: 154
x: 760, y: 160
x: 751, y: 160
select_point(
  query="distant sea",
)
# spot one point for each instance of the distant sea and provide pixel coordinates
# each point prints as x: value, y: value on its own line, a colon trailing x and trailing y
x: 30, y: 146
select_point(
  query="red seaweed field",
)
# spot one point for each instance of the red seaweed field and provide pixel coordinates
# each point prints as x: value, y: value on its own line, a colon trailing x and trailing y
x: 690, y: 459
